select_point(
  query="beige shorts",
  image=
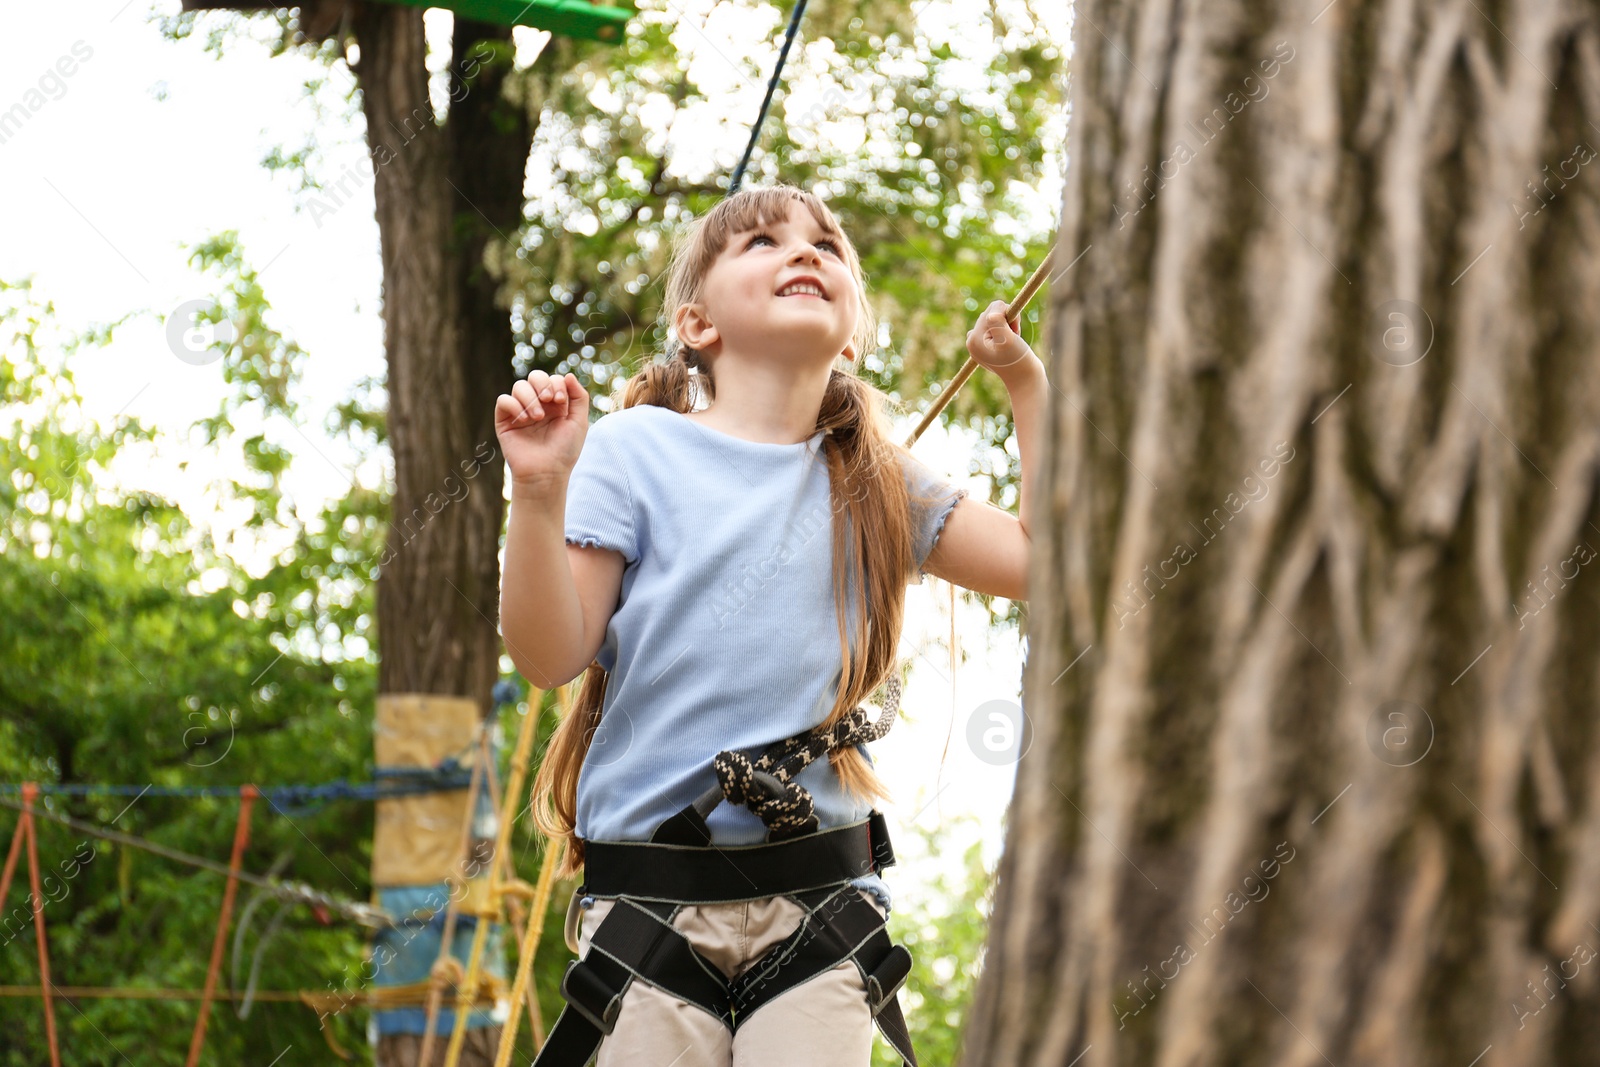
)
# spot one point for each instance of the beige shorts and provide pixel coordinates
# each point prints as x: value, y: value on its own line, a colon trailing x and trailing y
x: 824, y: 1022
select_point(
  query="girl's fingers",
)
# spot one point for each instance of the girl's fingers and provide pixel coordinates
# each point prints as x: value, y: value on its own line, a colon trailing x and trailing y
x: 541, y: 385
x: 525, y: 396
x: 531, y: 394
x: 570, y: 389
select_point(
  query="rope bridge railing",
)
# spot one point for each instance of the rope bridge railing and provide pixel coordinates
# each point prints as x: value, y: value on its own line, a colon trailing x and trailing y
x: 389, y: 782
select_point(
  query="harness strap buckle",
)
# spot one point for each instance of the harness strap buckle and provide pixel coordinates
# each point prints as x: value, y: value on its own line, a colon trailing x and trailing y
x: 591, y: 997
x: 884, y: 983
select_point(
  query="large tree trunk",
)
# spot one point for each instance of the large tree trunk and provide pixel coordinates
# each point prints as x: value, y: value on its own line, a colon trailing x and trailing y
x: 1325, y: 788
x: 444, y: 194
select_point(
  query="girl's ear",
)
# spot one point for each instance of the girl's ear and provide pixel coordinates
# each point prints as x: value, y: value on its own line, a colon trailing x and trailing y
x: 694, y: 329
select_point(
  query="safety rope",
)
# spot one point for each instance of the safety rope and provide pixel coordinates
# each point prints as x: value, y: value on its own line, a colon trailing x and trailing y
x: 498, y: 887
x: 767, y: 787
x: 325, y: 1004
x: 241, y: 928
x: 766, y: 102
x: 410, y: 995
x: 1013, y: 310
x: 520, y: 985
x: 321, y: 904
x: 441, y: 972
x: 519, y: 918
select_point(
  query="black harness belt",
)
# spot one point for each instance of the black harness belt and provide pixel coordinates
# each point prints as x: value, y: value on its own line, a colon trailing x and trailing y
x: 700, y: 874
x: 652, y: 881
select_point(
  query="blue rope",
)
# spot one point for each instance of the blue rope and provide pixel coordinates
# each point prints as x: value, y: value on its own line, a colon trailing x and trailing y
x: 299, y: 799
x: 391, y: 782
x: 772, y: 85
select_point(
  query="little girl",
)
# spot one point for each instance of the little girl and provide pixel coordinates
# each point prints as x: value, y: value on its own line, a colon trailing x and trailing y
x: 709, y: 569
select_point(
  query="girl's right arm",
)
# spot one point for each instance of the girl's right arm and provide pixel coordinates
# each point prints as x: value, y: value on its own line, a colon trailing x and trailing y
x: 555, y: 599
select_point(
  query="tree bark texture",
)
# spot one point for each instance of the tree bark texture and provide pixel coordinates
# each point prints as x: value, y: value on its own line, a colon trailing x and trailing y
x: 444, y: 195
x: 1324, y: 786
x: 449, y: 201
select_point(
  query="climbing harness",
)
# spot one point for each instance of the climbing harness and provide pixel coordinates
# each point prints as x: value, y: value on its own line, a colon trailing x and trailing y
x: 652, y: 881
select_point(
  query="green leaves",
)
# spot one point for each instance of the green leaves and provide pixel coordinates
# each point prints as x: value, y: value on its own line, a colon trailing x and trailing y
x: 945, y: 938
x: 137, y: 653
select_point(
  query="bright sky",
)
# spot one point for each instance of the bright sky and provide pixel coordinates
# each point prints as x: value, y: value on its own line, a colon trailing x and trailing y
x: 133, y: 146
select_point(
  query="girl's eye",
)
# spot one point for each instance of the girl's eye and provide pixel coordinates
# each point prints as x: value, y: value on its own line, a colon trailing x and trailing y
x: 826, y: 242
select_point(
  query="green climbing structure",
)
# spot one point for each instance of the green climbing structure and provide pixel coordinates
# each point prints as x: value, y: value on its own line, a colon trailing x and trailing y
x: 569, y: 18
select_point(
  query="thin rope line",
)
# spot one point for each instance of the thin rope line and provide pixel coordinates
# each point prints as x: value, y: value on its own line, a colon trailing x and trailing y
x: 772, y: 85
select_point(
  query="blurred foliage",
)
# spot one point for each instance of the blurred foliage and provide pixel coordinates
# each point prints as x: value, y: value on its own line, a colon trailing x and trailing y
x: 137, y: 653
x: 946, y: 943
x: 140, y: 650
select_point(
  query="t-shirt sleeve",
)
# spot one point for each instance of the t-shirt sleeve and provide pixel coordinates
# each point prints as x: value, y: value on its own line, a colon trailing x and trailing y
x: 600, y: 505
x: 933, y: 498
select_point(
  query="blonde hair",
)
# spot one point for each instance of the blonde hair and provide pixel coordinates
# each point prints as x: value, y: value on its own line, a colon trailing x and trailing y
x: 869, y: 497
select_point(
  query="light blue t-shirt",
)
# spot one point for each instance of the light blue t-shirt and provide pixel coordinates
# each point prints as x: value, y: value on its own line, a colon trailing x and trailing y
x: 725, y: 635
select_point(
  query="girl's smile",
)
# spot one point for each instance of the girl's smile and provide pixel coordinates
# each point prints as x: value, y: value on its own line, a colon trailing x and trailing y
x: 805, y: 285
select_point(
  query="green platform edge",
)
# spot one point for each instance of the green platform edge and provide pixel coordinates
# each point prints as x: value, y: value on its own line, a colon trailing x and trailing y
x: 569, y: 18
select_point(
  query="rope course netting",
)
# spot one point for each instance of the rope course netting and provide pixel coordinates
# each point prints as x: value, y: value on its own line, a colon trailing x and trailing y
x: 390, y: 782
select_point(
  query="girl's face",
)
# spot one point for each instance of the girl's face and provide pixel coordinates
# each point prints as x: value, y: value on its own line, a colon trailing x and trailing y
x: 780, y: 289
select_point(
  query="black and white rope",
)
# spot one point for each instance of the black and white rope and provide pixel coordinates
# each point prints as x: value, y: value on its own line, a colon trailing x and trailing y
x: 788, y: 810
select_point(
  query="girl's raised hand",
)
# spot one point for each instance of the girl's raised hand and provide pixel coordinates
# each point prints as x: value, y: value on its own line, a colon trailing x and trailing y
x: 541, y: 425
x: 996, y: 344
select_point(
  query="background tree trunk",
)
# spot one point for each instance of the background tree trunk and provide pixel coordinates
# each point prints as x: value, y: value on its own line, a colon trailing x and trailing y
x: 1323, y: 786
x: 444, y: 193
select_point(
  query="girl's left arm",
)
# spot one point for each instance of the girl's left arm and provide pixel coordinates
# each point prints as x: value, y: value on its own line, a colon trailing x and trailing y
x: 982, y: 547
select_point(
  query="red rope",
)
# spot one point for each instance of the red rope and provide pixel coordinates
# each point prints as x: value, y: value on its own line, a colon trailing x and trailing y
x: 241, y: 838
x: 11, y: 858
x: 30, y: 791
